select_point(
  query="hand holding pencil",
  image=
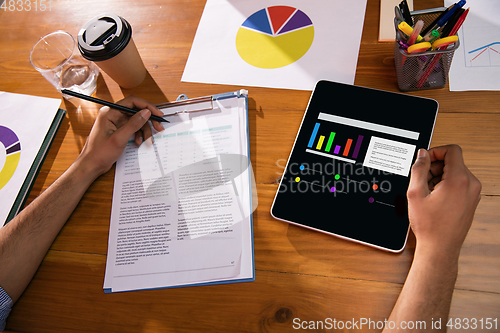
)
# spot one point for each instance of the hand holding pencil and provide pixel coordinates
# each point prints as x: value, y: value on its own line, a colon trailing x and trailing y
x: 112, y: 131
x: 157, y: 117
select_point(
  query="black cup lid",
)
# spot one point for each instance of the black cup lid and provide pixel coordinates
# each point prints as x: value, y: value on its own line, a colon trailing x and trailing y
x: 103, y: 37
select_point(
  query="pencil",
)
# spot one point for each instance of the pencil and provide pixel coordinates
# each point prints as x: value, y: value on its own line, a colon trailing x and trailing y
x: 111, y: 105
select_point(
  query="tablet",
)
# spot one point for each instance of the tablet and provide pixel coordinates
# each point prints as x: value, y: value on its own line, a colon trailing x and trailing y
x: 349, y: 168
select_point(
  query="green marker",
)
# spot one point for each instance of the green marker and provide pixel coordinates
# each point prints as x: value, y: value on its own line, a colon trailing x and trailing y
x: 433, y: 35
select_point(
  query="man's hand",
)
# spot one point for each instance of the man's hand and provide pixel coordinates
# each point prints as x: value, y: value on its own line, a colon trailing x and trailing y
x: 112, y: 130
x: 442, y: 198
x: 25, y: 240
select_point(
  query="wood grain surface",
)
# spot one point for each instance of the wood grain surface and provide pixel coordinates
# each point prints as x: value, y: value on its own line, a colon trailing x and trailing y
x: 299, y: 273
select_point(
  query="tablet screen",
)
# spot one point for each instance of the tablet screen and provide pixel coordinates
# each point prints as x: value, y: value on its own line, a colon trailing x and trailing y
x: 349, y: 169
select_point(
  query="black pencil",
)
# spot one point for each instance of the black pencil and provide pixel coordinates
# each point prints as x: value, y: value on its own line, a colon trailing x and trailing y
x: 111, y: 105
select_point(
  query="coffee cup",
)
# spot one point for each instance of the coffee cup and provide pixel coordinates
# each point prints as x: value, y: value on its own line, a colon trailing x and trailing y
x: 107, y: 41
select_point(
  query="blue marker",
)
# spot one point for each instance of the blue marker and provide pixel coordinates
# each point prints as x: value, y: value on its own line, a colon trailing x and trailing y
x: 444, y: 19
x: 447, y: 16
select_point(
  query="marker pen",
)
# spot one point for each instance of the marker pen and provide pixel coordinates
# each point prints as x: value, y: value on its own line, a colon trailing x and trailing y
x: 430, y: 38
x: 403, y: 44
x: 442, y: 42
x: 444, y: 18
x: 407, y: 30
x: 415, y: 33
x: 419, y: 47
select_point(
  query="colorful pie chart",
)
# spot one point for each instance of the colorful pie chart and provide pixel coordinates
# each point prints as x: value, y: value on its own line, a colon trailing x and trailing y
x: 12, y: 146
x: 275, y: 37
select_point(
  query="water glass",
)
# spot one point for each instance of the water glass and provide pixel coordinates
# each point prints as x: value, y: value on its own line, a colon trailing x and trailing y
x: 57, y: 58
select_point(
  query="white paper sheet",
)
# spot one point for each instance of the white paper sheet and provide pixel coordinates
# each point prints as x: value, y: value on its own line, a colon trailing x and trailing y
x: 386, y: 32
x: 28, y: 118
x: 216, y: 56
x: 181, y: 211
x: 476, y: 64
x: 389, y: 155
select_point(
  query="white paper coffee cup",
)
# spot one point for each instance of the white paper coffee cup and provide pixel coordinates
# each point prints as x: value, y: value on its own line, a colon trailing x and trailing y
x: 107, y: 41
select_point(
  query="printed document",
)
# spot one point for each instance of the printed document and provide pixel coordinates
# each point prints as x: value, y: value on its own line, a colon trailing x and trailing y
x: 290, y: 44
x: 476, y: 64
x: 181, y: 210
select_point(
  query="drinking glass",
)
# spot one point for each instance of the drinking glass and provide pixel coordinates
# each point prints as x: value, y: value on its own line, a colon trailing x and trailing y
x: 57, y: 58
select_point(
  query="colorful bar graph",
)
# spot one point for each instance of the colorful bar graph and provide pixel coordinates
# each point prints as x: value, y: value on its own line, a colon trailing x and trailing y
x: 325, y: 143
x: 320, y: 142
x: 330, y: 141
x: 313, y: 135
x: 357, y: 147
x: 347, y: 147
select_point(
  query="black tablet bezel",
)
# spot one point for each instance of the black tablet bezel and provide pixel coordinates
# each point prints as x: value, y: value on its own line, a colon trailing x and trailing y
x: 361, y: 213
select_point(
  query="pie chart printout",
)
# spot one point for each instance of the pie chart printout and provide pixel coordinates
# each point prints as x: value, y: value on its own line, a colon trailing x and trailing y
x: 275, y: 37
x: 12, y: 147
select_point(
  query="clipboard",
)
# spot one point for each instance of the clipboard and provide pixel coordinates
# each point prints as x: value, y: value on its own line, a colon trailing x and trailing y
x: 349, y: 168
x: 200, y: 160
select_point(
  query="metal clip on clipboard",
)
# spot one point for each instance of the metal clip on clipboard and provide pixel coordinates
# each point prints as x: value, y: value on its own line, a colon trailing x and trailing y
x: 184, y: 105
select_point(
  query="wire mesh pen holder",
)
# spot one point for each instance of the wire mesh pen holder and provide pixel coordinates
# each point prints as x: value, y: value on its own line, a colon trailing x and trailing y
x: 425, y: 70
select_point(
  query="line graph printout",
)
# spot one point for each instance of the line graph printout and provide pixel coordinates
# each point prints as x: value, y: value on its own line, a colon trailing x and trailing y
x: 484, y: 56
x: 476, y: 64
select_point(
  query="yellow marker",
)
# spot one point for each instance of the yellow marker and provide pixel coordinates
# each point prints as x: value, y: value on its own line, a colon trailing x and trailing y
x: 419, y: 47
x: 404, y: 27
x: 441, y: 42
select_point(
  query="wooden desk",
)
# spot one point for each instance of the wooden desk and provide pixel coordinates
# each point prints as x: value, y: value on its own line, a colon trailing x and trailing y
x: 299, y: 273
